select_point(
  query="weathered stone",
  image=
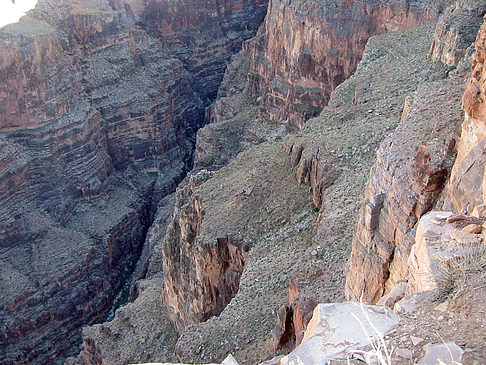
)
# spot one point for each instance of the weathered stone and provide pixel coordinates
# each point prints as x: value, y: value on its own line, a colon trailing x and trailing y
x: 416, y: 341
x: 447, y: 353
x: 337, y: 328
x: 467, y: 238
x: 456, y: 31
x: 466, y: 186
x: 274, y: 361
x: 433, y: 248
x: 479, y: 211
x: 412, y: 302
x: 404, y: 353
x: 397, y: 293
x: 283, y: 328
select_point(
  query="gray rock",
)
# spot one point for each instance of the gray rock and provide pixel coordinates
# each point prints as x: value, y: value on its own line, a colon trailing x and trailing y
x: 442, y: 353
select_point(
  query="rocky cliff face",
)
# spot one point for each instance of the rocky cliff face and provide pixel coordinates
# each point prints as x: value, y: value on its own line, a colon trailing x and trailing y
x: 456, y: 30
x: 305, y: 49
x: 411, y: 170
x: 201, y: 270
x: 98, y: 115
x: 331, y: 157
x: 466, y: 188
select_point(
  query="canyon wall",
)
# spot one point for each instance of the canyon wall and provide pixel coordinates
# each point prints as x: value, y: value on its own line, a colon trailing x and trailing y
x: 297, y: 260
x: 411, y: 169
x: 466, y: 188
x: 305, y: 49
x: 98, y: 115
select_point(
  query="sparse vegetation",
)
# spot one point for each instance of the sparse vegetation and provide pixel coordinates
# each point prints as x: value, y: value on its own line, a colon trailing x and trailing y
x: 465, y: 268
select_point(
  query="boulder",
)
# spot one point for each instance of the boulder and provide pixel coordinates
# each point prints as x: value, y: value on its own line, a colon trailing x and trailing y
x: 337, y: 328
x: 442, y: 353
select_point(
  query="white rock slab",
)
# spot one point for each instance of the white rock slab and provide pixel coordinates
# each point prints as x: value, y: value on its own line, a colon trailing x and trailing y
x: 335, y: 329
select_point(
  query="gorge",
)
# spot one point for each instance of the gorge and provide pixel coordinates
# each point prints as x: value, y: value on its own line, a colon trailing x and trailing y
x: 219, y: 152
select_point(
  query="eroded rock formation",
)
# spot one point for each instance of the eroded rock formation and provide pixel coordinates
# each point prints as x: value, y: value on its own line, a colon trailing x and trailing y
x: 201, y: 274
x: 305, y: 49
x: 466, y: 189
x: 99, y: 105
x: 411, y: 169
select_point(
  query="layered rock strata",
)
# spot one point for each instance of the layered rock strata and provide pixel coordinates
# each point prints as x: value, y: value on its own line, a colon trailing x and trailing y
x: 456, y: 30
x: 237, y: 216
x: 341, y: 144
x: 98, y: 115
x: 466, y: 187
x: 406, y: 182
x: 304, y: 50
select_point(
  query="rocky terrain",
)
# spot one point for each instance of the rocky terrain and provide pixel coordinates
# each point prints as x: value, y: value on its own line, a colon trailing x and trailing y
x: 98, y: 115
x: 272, y: 220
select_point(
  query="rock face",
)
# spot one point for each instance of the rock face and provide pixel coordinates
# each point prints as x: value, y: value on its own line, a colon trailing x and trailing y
x: 238, y: 216
x: 135, y: 334
x: 456, y: 31
x: 201, y: 275
x: 441, y: 238
x: 305, y: 49
x: 98, y: 114
x: 466, y: 188
x: 409, y: 176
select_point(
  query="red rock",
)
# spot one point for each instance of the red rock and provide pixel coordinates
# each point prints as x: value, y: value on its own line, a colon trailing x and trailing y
x: 466, y: 187
x: 306, y: 49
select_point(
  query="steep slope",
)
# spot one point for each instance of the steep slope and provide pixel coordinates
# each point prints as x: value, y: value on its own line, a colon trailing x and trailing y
x: 332, y: 155
x: 98, y: 115
x: 410, y: 173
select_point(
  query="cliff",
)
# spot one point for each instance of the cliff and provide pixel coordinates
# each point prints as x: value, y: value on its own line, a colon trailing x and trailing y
x: 305, y: 49
x: 466, y: 186
x: 411, y: 170
x: 98, y: 116
x: 331, y: 157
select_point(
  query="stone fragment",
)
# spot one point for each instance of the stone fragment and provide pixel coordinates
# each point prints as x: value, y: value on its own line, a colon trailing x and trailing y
x: 274, y: 361
x: 404, y: 353
x: 442, y: 353
x: 479, y: 211
x: 473, y: 228
x: 230, y: 360
x: 412, y: 302
x: 336, y: 328
x: 283, y: 328
x: 394, y: 296
x: 416, y: 341
x: 465, y: 238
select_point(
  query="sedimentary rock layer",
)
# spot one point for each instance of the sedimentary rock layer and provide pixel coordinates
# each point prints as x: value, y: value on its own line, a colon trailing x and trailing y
x: 410, y: 173
x: 305, y: 49
x: 466, y: 188
x: 98, y: 114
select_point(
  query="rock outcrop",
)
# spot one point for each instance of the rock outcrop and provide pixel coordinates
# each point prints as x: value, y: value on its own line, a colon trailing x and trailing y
x: 98, y: 114
x: 201, y: 274
x: 466, y: 189
x: 337, y: 329
x: 305, y: 49
x: 238, y: 216
x: 456, y: 30
x: 411, y: 170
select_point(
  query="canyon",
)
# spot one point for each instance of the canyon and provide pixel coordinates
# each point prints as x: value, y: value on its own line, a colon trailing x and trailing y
x: 98, y: 120
x: 224, y: 163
